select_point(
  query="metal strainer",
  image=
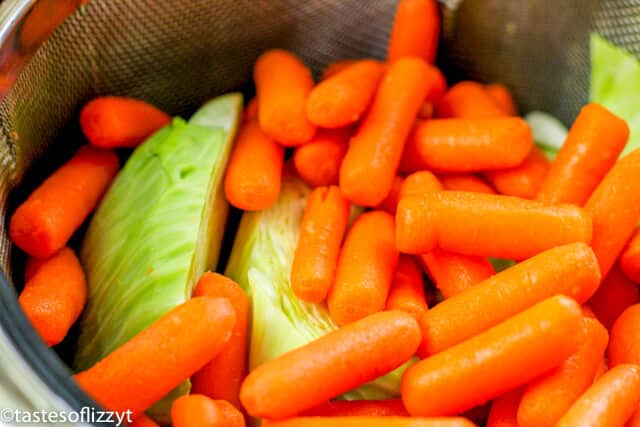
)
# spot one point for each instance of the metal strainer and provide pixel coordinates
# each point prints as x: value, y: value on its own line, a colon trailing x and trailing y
x: 178, y: 53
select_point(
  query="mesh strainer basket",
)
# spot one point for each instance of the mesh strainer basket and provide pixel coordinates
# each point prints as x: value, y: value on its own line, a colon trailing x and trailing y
x: 179, y: 53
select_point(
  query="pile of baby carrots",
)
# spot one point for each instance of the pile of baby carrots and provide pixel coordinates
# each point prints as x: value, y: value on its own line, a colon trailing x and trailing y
x: 449, y: 177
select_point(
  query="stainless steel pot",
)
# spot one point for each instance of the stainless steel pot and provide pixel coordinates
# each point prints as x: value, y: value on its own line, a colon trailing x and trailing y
x: 178, y: 53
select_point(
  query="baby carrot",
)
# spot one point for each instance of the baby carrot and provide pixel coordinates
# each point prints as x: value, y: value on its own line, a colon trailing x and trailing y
x: 593, y: 144
x: 523, y: 180
x: 468, y: 100
x: 502, y: 358
x: 415, y: 30
x: 283, y: 84
x: 623, y: 345
x: 487, y: 224
x: 630, y: 259
x: 43, y: 223
x: 335, y: 67
x: 609, y: 402
x: 250, y: 111
x: 570, y: 270
x: 390, y: 203
x: 318, y: 162
x: 614, y: 295
x: 364, y: 421
x: 113, y: 121
x: 343, y: 98
x: 324, y: 368
x: 144, y: 421
x: 365, y: 268
x: 547, y: 398
x: 222, y: 377
x: 369, y: 167
x: 634, y: 421
x: 407, y: 288
x: 31, y: 267
x: 502, y: 97
x: 159, y: 358
x: 419, y: 183
x: 53, y: 298
x: 601, y: 369
x: 197, y: 410
x: 466, y: 182
x: 467, y: 145
x: 254, y: 174
x: 453, y: 273
x: 504, y: 409
x: 323, y: 226
x: 615, y: 209
x: 359, y: 408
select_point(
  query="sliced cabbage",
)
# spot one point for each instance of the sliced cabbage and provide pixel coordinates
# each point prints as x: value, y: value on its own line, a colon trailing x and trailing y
x: 615, y: 83
x: 548, y: 132
x: 158, y: 228
x: 260, y: 262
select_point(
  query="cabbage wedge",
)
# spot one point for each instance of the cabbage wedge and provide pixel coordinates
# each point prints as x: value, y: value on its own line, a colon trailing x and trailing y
x: 260, y: 262
x: 158, y: 228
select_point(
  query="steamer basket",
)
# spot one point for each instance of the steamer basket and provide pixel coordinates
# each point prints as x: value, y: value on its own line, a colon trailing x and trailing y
x: 179, y: 53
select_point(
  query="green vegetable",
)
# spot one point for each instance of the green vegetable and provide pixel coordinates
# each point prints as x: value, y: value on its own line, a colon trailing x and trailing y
x: 158, y: 228
x: 260, y: 262
x: 548, y: 132
x: 615, y: 83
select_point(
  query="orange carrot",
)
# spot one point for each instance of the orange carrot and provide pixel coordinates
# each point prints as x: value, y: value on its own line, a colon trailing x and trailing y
x: 250, y: 111
x: 547, y: 398
x: 323, y: 226
x: 53, y: 298
x: 504, y: 409
x: 159, y: 358
x: 42, y: 20
x: 419, y: 183
x: 365, y: 269
x: 197, y: 410
x: 614, y: 295
x: 390, y: 203
x: 500, y: 359
x: 610, y: 402
x: 453, y: 273
x: 593, y: 144
x: 343, y: 98
x: 113, y: 121
x: 634, y: 421
x: 407, y: 288
x: 283, y: 84
x: 502, y: 97
x: 630, y: 259
x: 318, y: 162
x: 144, y: 421
x: 426, y: 111
x: 369, y: 167
x: 467, y: 145
x: 359, y: 408
x: 601, y: 369
x: 569, y: 270
x: 222, y: 377
x: 31, y: 267
x: 468, y: 100
x: 615, y: 209
x: 523, y: 180
x: 487, y: 224
x: 624, y: 346
x: 335, y: 67
x: 466, y: 182
x: 437, y: 89
x: 415, y: 31
x: 43, y: 224
x: 254, y: 173
x: 363, y: 421
x: 324, y: 368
